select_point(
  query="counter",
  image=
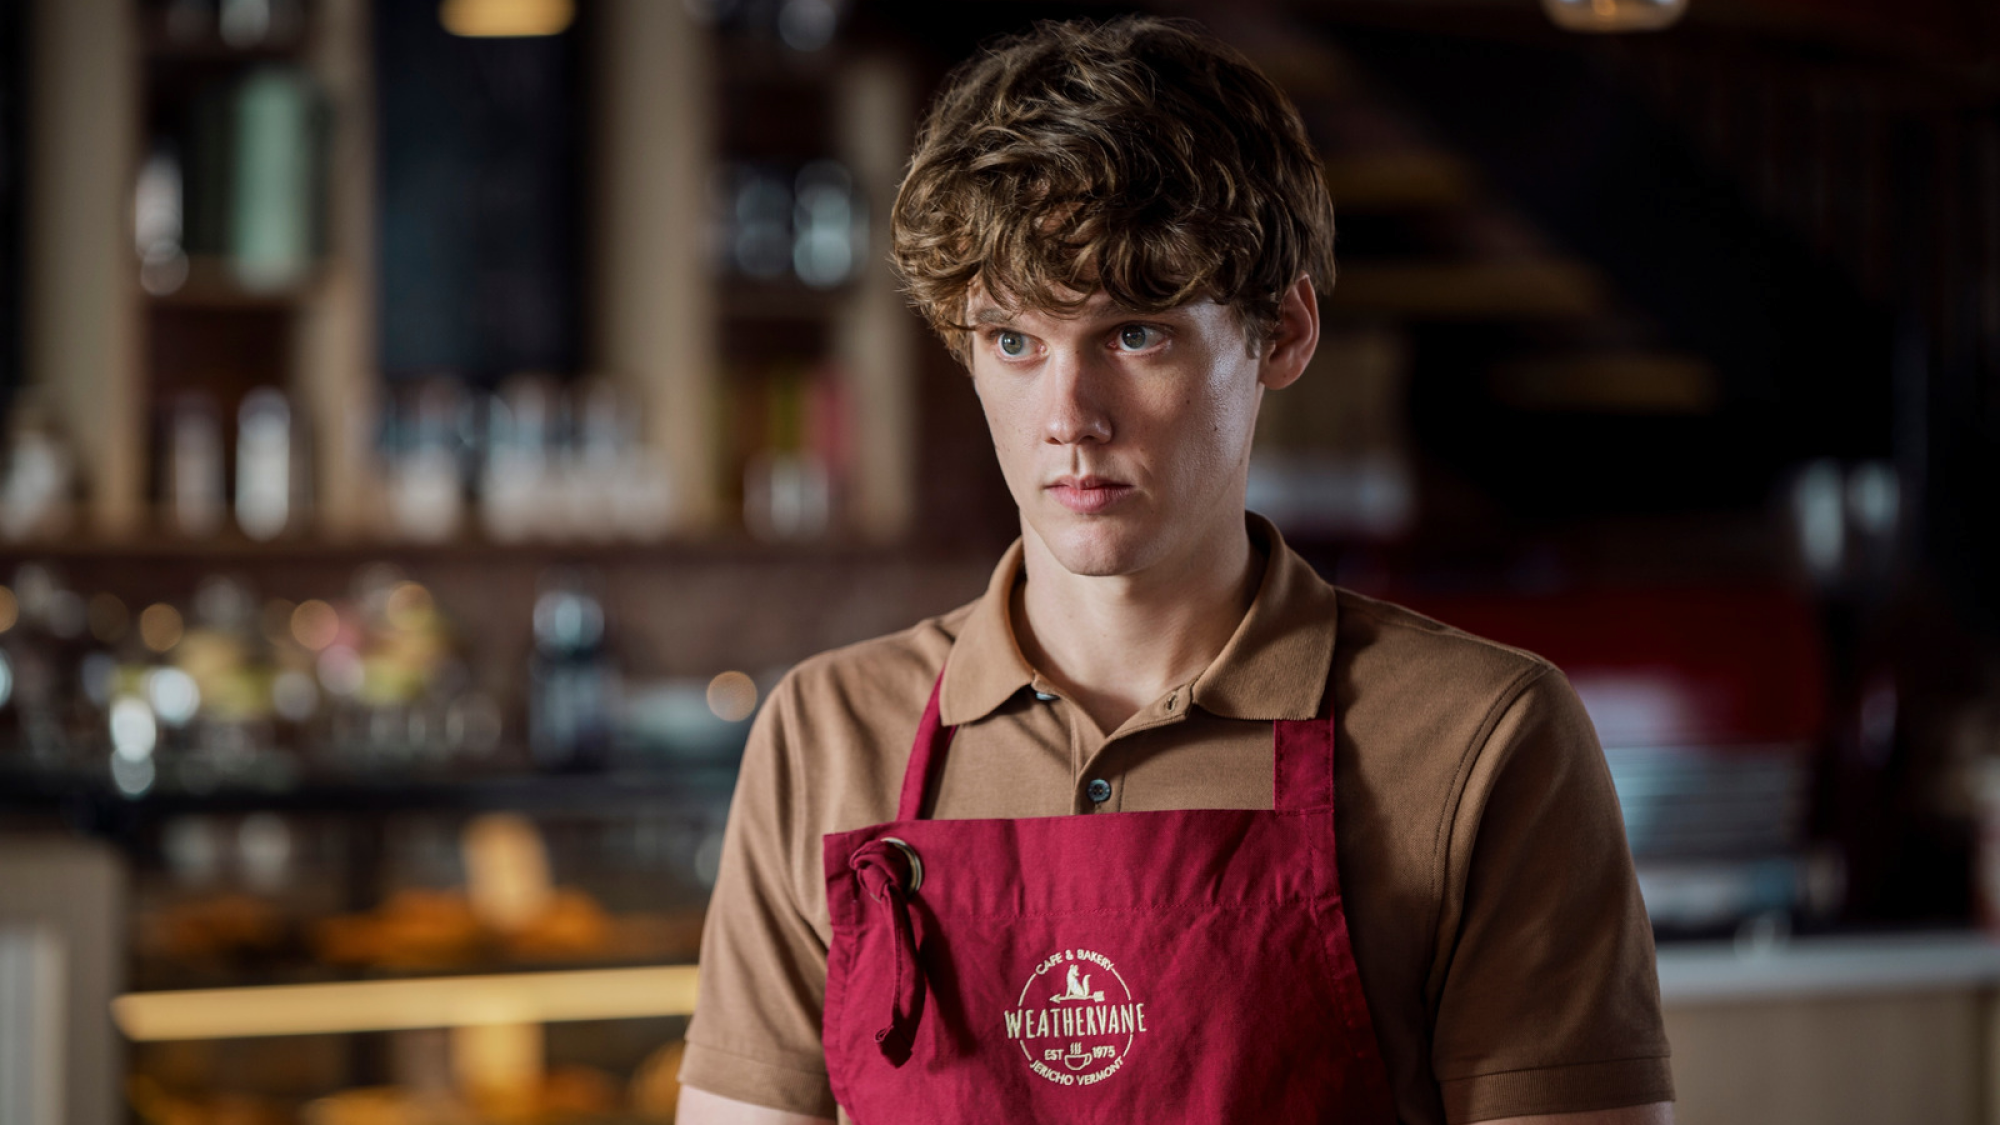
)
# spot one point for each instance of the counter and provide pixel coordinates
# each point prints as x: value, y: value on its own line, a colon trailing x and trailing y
x: 1860, y: 1030
x: 1707, y: 972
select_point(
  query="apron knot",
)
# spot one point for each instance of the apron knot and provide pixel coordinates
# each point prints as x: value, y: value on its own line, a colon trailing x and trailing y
x: 889, y: 870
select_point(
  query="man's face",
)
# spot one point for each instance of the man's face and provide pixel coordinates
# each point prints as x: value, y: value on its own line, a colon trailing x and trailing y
x: 1124, y: 438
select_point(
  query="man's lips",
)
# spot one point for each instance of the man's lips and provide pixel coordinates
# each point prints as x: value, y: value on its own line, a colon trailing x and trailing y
x: 1088, y: 495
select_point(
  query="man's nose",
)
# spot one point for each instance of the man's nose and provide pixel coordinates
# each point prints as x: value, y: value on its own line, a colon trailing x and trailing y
x: 1074, y: 407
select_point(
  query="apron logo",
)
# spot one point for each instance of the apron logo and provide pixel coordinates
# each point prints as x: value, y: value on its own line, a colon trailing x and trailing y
x: 1075, y: 1026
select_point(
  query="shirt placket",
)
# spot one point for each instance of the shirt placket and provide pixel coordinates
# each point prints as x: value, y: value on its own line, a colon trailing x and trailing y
x: 1095, y: 785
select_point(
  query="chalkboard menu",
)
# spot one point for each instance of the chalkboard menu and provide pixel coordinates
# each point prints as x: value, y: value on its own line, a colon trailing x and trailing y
x: 480, y: 151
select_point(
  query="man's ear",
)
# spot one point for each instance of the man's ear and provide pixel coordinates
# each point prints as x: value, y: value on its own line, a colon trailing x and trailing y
x: 1292, y: 345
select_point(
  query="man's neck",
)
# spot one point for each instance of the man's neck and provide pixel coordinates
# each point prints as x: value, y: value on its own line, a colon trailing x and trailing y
x: 1112, y: 645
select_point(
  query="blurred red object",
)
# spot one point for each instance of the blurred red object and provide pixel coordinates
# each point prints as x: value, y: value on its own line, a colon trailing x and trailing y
x: 1684, y: 666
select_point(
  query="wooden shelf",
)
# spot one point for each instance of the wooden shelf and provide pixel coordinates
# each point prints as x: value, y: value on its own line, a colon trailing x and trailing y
x: 210, y: 285
x: 694, y: 781
x: 158, y: 45
x: 161, y: 50
x: 235, y: 550
x: 765, y: 301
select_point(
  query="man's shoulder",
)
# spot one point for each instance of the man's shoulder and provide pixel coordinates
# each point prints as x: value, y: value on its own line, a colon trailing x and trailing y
x: 1400, y: 631
x: 1393, y: 654
x: 1431, y: 714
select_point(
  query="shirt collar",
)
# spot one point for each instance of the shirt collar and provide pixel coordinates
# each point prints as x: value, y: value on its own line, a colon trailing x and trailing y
x: 1274, y: 667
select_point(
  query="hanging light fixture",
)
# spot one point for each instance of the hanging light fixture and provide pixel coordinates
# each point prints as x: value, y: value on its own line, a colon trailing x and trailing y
x: 506, y: 19
x: 1615, y: 15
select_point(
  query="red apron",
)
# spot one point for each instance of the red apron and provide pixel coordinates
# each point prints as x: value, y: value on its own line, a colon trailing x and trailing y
x: 1189, y: 966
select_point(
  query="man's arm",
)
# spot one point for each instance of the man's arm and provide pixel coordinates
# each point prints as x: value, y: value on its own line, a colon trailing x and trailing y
x: 699, y: 1107
x: 1550, y: 995
x: 1659, y: 1113
x: 755, y: 1034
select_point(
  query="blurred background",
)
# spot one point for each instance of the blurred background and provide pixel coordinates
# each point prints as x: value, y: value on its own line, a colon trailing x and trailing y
x: 426, y: 429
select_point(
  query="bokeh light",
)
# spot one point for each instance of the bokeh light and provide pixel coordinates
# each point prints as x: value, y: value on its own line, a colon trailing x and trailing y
x: 340, y: 671
x: 160, y: 626
x: 732, y: 696
x: 409, y: 606
x: 99, y: 675
x: 315, y: 624
x: 294, y: 696
x: 174, y: 695
x: 506, y: 19
x: 132, y: 776
x: 133, y: 731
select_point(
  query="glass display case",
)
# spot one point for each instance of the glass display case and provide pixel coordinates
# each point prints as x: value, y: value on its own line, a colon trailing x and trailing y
x: 418, y: 954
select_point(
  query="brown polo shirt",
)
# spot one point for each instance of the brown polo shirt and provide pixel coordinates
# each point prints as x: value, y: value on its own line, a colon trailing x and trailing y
x: 1496, y: 921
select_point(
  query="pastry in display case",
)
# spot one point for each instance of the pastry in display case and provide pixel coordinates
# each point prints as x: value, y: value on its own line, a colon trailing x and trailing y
x: 507, y: 968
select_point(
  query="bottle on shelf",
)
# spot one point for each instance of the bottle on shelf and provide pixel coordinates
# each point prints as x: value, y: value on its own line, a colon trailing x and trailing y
x: 36, y: 499
x: 573, y: 684
x: 273, y: 225
x: 426, y: 486
x: 790, y: 476
x: 195, y: 490
x: 265, y: 464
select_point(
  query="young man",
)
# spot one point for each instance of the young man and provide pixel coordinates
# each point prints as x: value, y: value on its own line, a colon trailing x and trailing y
x: 1097, y: 877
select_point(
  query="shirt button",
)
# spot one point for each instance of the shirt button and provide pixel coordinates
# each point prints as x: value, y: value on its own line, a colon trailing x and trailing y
x: 1099, y: 790
x: 1045, y: 697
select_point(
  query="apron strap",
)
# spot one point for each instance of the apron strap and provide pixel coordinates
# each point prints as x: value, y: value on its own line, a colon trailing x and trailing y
x: 1302, y: 760
x: 926, y: 756
x: 1302, y: 784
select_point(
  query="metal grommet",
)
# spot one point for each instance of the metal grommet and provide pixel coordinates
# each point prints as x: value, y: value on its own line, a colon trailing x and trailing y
x: 916, y: 864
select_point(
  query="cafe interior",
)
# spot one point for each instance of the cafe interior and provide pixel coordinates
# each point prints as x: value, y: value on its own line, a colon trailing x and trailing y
x: 429, y: 428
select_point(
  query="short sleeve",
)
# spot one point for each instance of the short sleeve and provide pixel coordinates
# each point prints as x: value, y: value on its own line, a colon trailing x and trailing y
x: 755, y: 1036
x: 1550, y: 1000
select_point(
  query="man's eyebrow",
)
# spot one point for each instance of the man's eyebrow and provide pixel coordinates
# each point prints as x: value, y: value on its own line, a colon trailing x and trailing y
x: 992, y: 314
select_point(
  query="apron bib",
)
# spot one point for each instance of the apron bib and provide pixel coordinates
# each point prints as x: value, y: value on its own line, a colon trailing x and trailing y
x: 1149, y: 966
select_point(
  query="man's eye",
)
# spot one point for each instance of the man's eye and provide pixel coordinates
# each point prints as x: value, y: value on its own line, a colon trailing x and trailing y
x: 1012, y: 344
x: 1138, y: 337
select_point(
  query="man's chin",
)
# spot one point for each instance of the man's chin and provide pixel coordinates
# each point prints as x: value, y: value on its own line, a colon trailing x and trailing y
x: 1098, y: 548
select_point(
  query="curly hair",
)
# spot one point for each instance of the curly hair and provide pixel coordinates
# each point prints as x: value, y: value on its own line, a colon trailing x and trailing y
x: 1139, y: 157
